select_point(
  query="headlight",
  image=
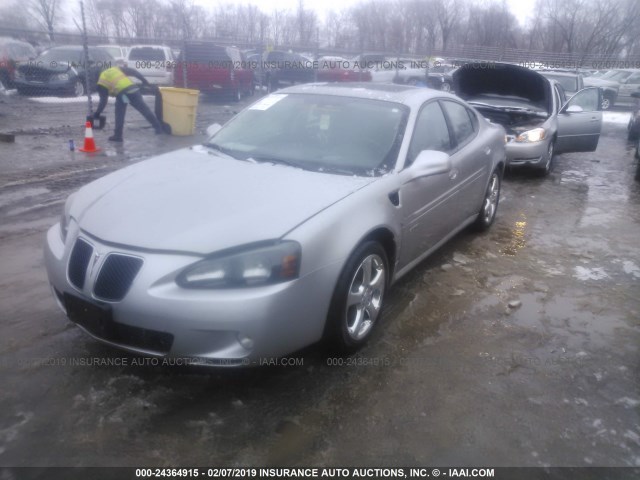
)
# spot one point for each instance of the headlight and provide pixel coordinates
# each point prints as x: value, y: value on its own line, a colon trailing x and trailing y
x: 529, y: 136
x: 61, y: 77
x: 250, y: 267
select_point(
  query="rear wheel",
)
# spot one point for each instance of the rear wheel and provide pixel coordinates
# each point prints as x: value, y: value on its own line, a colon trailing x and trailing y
x: 357, y: 299
x: 445, y: 87
x: 487, y: 213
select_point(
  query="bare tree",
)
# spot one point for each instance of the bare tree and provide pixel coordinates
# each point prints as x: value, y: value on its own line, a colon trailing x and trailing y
x: 45, y: 13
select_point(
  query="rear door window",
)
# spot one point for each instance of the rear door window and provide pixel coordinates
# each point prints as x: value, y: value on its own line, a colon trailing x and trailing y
x: 147, y: 53
x: 460, y: 122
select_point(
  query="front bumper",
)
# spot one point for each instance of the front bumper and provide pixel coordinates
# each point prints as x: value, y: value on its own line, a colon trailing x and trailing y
x: 219, y: 327
x: 520, y: 154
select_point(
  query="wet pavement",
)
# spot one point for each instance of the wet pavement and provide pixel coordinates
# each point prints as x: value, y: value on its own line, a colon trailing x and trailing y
x: 517, y: 347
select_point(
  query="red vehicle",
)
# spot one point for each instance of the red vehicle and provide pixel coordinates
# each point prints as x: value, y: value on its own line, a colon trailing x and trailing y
x: 338, y: 69
x: 13, y: 53
x: 214, y: 69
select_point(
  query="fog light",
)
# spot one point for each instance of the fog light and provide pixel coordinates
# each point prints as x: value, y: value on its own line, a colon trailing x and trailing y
x: 245, y: 341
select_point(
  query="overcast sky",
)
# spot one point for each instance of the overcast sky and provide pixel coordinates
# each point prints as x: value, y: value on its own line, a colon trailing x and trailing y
x: 522, y: 9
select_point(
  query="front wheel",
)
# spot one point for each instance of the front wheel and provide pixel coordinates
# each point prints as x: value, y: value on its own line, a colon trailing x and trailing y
x: 78, y: 88
x: 445, y: 87
x: 606, y: 103
x: 487, y: 213
x: 548, y: 161
x: 357, y: 299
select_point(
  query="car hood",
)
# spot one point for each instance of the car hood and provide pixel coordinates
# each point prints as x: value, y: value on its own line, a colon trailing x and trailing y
x: 599, y: 82
x: 49, y: 69
x: 197, y: 201
x: 501, y: 79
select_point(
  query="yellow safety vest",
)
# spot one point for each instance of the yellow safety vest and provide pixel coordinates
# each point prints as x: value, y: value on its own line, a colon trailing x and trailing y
x: 114, y: 80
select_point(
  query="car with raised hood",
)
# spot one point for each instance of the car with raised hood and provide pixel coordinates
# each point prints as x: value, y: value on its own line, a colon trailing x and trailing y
x: 62, y: 71
x: 287, y: 226
x: 532, y: 109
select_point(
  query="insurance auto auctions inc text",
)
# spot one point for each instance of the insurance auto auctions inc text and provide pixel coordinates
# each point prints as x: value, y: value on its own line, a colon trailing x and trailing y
x: 373, y: 472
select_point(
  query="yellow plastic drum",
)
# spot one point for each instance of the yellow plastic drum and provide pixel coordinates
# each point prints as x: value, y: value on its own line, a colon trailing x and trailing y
x: 179, y: 106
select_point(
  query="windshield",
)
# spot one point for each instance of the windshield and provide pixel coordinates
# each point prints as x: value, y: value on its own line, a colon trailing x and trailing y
x: 62, y: 56
x: 570, y: 84
x: 113, y: 51
x: 146, y: 53
x: 329, y: 133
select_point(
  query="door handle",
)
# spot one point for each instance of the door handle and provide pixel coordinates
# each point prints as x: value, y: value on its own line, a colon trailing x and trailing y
x: 487, y: 150
x: 594, y: 119
x: 453, y: 173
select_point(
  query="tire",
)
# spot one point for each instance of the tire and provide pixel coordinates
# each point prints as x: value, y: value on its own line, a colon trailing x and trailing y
x: 548, y: 164
x: 490, y: 202
x: 358, y: 298
x: 413, y: 81
x: 4, y: 82
x: 632, y: 131
x: 606, y: 103
x: 78, y: 89
x: 445, y: 87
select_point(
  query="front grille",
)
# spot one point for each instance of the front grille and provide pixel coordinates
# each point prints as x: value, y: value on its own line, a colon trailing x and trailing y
x: 78, y: 262
x: 116, y: 276
x: 97, y: 319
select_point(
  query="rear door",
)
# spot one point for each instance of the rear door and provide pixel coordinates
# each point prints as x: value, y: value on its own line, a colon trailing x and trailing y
x: 471, y: 158
x: 580, y: 122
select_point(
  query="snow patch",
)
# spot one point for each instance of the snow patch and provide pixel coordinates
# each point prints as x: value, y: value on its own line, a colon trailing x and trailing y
x: 583, y: 273
x: 628, y: 402
x: 631, y: 268
x: 616, y: 117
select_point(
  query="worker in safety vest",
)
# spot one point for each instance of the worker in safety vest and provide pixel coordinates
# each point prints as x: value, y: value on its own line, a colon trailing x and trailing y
x: 115, y: 81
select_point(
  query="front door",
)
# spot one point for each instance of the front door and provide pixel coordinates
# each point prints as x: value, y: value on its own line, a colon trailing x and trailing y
x: 580, y: 122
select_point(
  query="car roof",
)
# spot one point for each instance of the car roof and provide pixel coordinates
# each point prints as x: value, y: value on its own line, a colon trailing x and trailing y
x: 405, y: 94
x: 557, y: 73
x: 149, y: 46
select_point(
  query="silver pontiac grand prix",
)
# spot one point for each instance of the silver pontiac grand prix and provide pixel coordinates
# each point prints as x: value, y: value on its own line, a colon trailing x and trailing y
x: 288, y: 226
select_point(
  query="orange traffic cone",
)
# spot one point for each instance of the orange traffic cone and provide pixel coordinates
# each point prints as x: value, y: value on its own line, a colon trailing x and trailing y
x: 89, y: 142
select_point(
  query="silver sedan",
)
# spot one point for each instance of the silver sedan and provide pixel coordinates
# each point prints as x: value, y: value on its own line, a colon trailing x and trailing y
x: 288, y: 226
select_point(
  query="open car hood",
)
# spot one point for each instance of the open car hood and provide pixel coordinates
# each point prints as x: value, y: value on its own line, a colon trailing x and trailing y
x: 503, y: 80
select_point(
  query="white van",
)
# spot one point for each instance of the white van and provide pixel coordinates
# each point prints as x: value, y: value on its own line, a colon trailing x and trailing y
x: 155, y: 62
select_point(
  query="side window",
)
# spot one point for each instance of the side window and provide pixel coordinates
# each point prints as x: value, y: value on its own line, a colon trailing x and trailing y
x: 586, y: 99
x: 431, y: 132
x: 460, y: 121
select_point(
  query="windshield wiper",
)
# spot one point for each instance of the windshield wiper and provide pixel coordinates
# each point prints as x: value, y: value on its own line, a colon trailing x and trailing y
x: 269, y: 159
x: 221, y: 149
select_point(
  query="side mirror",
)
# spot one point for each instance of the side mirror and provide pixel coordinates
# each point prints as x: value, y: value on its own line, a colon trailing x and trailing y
x: 574, y: 109
x: 430, y: 162
x: 213, y: 129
